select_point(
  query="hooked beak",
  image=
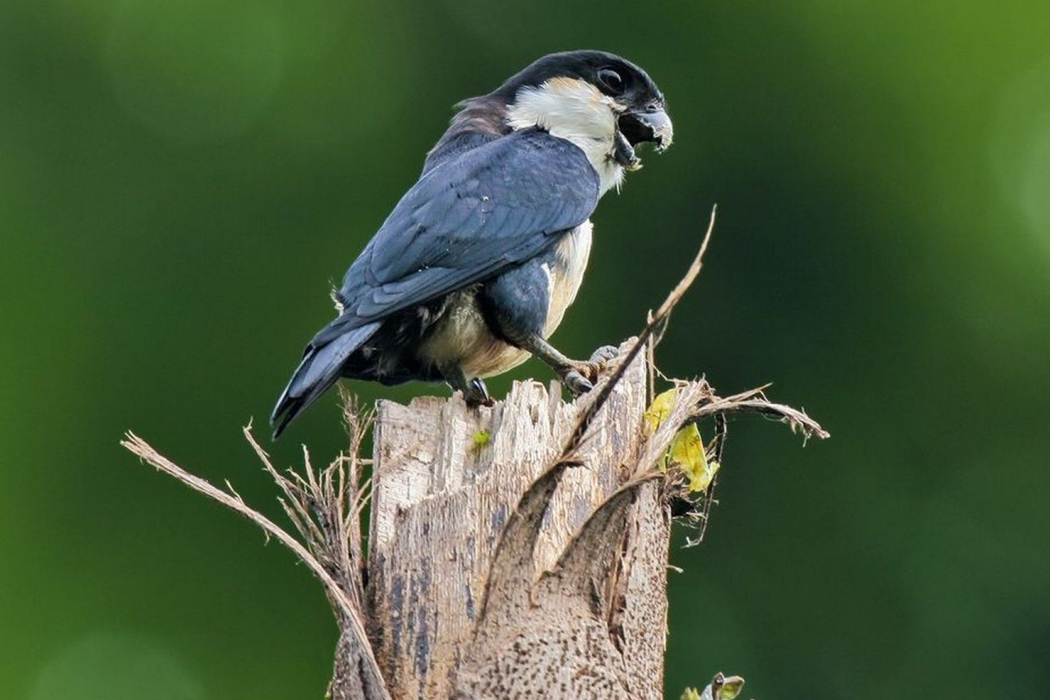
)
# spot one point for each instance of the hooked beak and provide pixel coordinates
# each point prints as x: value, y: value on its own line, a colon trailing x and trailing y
x: 650, y: 125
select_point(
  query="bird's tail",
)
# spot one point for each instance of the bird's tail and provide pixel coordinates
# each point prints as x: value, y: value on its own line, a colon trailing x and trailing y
x: 319, y: 370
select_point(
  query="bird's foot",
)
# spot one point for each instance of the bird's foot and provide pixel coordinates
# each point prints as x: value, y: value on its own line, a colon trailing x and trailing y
x: 581, y: 376
x: 575, y: 382
x: 604, y: 355
x: 475, y: 393
x: 473, y: 390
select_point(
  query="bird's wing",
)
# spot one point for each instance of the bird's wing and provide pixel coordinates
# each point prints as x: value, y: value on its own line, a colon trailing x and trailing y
x: 466, y: 220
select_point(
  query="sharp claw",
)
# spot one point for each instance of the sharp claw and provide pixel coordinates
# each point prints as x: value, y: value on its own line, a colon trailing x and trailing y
x: 589, y: 371
x: 576, y: 382
x: 476, y: 394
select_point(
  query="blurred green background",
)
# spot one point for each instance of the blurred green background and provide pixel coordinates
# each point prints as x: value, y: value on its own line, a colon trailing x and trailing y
x: 181, y: 181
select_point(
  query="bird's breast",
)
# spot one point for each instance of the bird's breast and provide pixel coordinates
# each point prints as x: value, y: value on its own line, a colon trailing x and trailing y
x: 565, y: 272
x: 463, y: 336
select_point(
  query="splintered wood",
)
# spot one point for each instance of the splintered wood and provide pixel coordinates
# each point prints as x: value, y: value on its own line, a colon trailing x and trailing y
x: 582, y: 613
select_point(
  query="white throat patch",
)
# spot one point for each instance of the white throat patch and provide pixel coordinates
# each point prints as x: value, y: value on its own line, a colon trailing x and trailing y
x: 578, y: 112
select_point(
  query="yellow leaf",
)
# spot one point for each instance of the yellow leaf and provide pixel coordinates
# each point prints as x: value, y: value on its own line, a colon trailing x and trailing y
x: 687, y: 451
x: 481, y: 438
x: 660, y: 409
x: 731, y: 687
x: 690, y: 694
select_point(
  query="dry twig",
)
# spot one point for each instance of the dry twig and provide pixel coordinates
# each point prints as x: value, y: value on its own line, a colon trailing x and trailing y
x: 655, y: 321
x: 317, y: 507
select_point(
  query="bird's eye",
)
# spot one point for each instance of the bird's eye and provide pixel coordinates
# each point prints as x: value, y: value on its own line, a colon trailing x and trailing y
x: 610, y: 79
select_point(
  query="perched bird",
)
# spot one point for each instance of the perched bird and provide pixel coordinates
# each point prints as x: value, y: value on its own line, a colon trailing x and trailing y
x: 475, y: 266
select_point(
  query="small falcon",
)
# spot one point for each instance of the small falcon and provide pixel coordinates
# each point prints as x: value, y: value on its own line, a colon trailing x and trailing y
x: 476, y: 265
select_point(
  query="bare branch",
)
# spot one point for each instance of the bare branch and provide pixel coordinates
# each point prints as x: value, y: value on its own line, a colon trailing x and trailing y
x: 755, y: 401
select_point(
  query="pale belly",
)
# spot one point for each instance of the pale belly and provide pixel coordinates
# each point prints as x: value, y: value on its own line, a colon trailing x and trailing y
x: 464, y: 337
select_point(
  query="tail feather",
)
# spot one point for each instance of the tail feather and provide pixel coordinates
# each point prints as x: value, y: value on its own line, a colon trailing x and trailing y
x: 318, y: 371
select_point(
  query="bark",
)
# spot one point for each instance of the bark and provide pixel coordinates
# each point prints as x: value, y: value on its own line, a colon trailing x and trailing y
x: 477, y: 590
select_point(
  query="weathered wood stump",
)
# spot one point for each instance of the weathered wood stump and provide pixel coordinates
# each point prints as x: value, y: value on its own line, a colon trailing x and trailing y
x: 477, y: 592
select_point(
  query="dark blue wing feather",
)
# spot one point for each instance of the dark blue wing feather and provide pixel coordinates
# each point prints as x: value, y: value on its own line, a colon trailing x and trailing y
x: 470, y: 216
x: 466, y: 220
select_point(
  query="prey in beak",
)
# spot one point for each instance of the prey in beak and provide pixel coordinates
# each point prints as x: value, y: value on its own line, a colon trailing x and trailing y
x: 634, y: 127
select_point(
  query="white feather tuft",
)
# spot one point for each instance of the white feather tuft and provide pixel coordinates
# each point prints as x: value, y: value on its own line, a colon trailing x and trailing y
x: 578, y: 112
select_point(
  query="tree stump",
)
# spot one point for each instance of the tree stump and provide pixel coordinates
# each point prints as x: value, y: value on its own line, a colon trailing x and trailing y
x: 580, y: 607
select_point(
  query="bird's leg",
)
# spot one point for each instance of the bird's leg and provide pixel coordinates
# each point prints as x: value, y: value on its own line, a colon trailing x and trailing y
x: 474, y: 391
x: 578, y: 376
x: 517, y: 305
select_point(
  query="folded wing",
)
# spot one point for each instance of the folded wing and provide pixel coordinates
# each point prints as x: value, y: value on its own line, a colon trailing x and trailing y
x: 464, y: 221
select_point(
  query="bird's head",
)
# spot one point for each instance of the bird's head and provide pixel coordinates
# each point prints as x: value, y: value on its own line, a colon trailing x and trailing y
x: 603, y: 103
